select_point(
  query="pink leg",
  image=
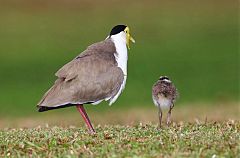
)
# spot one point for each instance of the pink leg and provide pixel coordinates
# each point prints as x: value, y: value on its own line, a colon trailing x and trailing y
x: 85, y: 117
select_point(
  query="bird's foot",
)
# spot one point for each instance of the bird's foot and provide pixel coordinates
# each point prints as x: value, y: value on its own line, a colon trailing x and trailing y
x: 168, y: 123
x: 92, y: 132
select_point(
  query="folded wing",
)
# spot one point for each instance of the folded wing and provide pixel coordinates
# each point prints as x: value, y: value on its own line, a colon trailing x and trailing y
x: 89, y: 78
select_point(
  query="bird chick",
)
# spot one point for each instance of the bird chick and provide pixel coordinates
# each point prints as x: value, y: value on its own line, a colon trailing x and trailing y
x: 164, y: 95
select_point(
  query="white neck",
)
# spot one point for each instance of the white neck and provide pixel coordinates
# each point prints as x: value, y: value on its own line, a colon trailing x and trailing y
x: 122, y: 55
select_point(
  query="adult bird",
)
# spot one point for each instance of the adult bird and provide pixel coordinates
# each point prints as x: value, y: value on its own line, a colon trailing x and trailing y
x: 98, y: 73
x: 164, y: 94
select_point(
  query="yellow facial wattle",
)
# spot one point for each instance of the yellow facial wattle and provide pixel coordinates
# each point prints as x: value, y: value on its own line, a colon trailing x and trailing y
x: 129, y: 37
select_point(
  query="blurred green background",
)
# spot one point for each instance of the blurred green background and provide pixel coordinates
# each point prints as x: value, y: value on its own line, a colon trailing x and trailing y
x: 195, y: 43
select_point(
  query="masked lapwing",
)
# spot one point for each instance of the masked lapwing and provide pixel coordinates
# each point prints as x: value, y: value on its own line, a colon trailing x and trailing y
x: 99, y: 73
x: 164, y: 94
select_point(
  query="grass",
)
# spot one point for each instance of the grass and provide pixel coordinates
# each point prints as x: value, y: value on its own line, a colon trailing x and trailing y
x: 141, y: 140
x: 198, y: 130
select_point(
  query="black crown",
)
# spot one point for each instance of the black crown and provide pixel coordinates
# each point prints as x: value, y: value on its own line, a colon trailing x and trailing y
x: 163, y: 78
x: 117, y: 29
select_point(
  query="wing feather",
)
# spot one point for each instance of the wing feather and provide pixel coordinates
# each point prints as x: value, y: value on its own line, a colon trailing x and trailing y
x: 90, y: 77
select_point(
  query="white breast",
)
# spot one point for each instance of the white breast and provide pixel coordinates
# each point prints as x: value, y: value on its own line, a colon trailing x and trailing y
x: 121, y: 57
x: 163, y: 101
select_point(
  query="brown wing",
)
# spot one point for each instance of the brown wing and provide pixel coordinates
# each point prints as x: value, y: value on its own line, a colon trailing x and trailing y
x: 90, y: 77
